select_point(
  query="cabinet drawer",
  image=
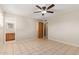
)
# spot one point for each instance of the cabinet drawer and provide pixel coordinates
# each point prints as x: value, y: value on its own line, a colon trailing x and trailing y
x: 10, y: 36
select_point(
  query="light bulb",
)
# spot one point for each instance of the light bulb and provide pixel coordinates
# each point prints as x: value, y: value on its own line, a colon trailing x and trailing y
x: 44, y: 12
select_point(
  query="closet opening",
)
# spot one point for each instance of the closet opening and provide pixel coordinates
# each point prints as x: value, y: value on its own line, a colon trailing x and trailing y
x: 43, y: 29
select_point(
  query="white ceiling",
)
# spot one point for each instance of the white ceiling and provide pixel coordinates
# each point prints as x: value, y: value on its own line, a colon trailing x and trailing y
x: 28, y: 9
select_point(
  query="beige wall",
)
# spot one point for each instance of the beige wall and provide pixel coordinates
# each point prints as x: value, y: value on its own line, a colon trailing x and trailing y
x: 25, y: 28
x: 64, y: 27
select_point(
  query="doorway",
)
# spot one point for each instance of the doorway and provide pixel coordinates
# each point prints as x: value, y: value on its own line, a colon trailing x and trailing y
x: 40, y: 30
x: 43, y: 29
x: 1, y: 29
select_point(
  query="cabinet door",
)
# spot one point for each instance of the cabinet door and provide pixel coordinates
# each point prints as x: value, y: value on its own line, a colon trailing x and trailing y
x: 10, y: 36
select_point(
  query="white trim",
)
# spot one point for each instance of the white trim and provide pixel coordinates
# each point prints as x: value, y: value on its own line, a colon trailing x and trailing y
x: 65, y: 42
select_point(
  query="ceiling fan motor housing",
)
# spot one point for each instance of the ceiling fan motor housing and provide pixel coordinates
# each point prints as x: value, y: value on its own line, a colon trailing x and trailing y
x: 44, y: 8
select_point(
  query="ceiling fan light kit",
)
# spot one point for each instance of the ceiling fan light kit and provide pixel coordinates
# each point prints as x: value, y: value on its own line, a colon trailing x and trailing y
x: 44, y: 12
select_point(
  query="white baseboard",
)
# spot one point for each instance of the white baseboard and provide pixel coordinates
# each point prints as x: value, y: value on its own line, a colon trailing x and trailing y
x: 65, y: 42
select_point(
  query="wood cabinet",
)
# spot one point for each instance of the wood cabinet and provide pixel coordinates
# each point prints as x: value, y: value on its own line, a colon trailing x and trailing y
x: 10, y: 36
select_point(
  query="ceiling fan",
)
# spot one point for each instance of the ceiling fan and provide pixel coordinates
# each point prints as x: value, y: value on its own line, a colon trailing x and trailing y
x: 44, y: 9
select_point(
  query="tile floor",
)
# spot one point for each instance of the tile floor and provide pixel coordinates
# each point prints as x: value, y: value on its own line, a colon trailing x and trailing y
x: 37, y: 47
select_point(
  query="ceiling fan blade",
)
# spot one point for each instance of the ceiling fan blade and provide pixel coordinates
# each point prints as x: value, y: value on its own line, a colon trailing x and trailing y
x: 50, y: 11
x: 37, y: 11
x: 50, y: 6
x: 38, y: 6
